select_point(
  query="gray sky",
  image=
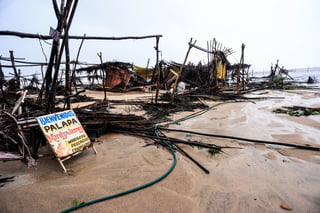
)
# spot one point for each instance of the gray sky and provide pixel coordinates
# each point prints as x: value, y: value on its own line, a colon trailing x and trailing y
x: 288, y: 30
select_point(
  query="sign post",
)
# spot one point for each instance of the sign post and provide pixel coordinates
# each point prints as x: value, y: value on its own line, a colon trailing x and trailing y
x: 65, y: 134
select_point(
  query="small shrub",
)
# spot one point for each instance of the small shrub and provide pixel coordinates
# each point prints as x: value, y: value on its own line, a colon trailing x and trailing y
x: 76, y: 202
x: 214, y: 151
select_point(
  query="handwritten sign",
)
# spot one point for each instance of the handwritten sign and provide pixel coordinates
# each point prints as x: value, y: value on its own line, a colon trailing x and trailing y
x: 64, y: 133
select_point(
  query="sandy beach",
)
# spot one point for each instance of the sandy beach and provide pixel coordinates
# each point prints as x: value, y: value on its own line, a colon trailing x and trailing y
x: 251, y: 178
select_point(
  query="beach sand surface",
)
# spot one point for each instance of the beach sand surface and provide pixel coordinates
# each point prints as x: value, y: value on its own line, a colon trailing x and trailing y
x: 249, y: 178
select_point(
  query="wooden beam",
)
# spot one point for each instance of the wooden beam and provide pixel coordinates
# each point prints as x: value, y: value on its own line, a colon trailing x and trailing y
x: 47, y: 37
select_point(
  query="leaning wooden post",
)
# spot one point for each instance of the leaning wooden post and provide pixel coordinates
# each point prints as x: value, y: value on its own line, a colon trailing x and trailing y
x: 73, y: 74
x: 51, y: 104
x: 67, y: 72
x: 157, y: 70
x: 55, y: 46
x: 67, y: 54
x: 174, y: 86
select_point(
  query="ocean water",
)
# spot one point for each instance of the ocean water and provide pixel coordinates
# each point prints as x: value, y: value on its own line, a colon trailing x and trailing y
x: 300, y: 76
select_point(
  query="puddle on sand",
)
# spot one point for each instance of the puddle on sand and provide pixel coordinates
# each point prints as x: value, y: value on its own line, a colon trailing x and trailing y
x: 267, y: 124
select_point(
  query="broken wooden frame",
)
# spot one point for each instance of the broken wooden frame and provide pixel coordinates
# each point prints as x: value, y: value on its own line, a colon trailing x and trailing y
x: 212, y: 50
x: 62, y: 21
x: 61, y: 160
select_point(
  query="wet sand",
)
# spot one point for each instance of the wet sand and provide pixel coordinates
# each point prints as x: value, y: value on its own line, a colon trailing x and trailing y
x: 255, y: 178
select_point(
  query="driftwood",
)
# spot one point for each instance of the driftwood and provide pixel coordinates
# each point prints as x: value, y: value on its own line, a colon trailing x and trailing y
x: 13, y: 135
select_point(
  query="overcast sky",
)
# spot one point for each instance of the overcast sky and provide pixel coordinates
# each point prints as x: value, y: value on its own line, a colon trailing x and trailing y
x: 288, y: 30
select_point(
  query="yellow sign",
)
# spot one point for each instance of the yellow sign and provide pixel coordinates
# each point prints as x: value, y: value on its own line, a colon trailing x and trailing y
x: 64, y: 133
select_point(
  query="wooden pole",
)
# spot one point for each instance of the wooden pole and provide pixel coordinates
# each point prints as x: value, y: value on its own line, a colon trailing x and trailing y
x: 55, y: 48
x: 16, y: 73
x: 56, y: 9
x: 214, y: 70
x: 48, y: 37
x: 51, y: 104
x: 67, y: 54
x: 192, y: 159
x: 147, y: 68
x: 157, y: 69
x: 75, y: 65
x: 2, y: 81
x: 174, y: 86
x: 104, y: 77
x: 209, y: 55
x: 240, y: 68
x: 67, y: 72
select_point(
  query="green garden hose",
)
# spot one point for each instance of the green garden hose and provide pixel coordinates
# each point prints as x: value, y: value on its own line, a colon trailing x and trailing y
x: 133, y: 189
x: 158, y: 179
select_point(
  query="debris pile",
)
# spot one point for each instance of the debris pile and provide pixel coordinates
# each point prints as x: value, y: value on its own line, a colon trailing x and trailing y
x: 187, y: 86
